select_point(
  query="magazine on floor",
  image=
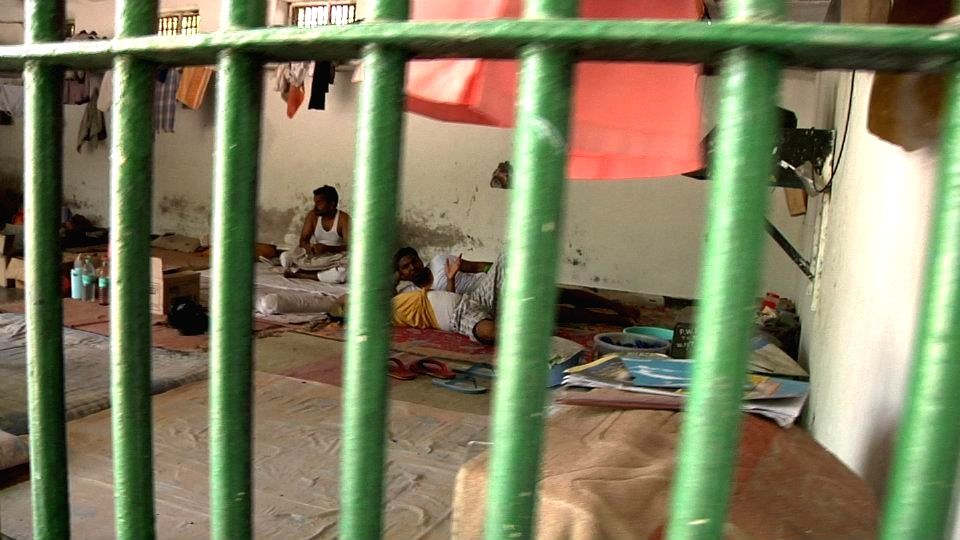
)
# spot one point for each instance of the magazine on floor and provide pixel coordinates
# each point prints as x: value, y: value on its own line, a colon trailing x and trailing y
x: 773, y: 397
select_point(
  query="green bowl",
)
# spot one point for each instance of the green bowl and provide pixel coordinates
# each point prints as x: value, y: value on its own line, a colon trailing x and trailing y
x: 654, y: 331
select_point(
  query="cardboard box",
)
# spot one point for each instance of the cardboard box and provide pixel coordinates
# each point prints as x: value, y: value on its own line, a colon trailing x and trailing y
x: 167, y: 287
x: 14, y: 271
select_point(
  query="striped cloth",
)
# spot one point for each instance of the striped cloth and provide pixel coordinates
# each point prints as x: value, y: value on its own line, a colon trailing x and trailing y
x: 165, y: 101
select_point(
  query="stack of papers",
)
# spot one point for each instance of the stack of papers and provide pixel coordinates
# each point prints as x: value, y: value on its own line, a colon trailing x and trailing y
x: 776, y: 398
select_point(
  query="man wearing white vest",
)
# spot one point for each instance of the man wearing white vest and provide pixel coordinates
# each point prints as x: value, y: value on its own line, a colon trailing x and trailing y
x: 326, y: 229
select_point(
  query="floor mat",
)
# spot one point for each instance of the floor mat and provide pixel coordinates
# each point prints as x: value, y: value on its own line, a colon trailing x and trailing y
x: 297, y: 443
x: 94, y: 318
x: 87, y: 361
x: 424, y: 342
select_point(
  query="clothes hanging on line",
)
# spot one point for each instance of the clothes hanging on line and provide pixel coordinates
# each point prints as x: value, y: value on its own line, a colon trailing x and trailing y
x: 11, y: 98
x: 295, y: 97
x: 165, y: 100
x: 289, y: 74
x: 323, y: 75
x: 76, y: 88
x: 289, y: 81
x: 105, y: 96
x: 93, y: 125
x: 193, y: 86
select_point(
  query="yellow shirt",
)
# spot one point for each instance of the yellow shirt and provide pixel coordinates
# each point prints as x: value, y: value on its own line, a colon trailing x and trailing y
x: 413, y: 309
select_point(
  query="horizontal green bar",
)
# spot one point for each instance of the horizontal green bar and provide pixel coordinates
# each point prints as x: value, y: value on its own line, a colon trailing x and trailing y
x: 904, y: 48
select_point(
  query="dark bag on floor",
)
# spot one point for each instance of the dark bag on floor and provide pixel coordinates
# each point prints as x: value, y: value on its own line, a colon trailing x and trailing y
x: 189, y: 318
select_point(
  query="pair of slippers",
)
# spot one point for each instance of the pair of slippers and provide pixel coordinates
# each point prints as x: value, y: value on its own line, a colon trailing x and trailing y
x: 443, y: 376
x: 424, y: 366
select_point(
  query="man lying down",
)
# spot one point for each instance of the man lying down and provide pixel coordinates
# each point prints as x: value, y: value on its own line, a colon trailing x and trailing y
x: 470, y: 314
x: 460, y: 296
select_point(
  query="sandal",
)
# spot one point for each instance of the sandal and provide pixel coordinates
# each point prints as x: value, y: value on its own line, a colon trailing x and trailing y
x: 461, y: 383
x: 433, y: 368
x: 397, y: 370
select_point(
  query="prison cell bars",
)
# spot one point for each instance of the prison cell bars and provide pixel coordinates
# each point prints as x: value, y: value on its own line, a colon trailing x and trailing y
x: 753, y: 47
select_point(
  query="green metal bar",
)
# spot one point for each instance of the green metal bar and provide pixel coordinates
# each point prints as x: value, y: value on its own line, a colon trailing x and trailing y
x: 43, y: 181
x: 131, y: 173
x: 746, y: 133
x: 231, y: 296
x: 928, y: 445
x: 527, y: 312
x: 373, y: 234
x: 833, y: 46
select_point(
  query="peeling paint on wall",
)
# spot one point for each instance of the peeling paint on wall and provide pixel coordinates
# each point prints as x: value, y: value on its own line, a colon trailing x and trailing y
x: 424, y: 232
x: 184, y: 211
x: 274, y: 224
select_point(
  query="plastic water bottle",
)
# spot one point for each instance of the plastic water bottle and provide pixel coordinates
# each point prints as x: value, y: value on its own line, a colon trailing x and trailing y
x: 76, y: 278
x: 89, y: 278
x: 103, y: 284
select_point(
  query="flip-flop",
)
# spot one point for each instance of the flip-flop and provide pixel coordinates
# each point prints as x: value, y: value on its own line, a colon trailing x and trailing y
x: 397, y: 370
x: 461, y: 383
x: 433, y: 368
x: 480, y: 370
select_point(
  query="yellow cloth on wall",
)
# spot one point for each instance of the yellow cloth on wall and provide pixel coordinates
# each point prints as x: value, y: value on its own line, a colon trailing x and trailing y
x: 413, y: 309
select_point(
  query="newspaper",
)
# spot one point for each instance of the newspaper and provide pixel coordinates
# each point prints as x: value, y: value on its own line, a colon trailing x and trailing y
x: 781, y: 400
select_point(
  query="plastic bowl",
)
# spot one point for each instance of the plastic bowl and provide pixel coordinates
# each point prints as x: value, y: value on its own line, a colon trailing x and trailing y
x: 618, y: 342
x: 654, y: 331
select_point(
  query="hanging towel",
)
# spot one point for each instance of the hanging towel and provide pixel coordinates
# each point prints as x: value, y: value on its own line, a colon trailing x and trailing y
x: 629, y: 120
x: 75, y: 87
x: 289, y: 82
x: 294, y: 99
x: 323, y: 74
x: 165, y: 101
x: 289, y: 74
x: 105, y: 96
x: 193, y: 86
x: 93, y: 127
x: 11, y: 99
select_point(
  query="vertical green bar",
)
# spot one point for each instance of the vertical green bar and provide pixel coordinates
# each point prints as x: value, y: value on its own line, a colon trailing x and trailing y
x: 528, y: 308
x: 131, y: 173
x: 379, y: 137
x: 231, y: 294
x: 43, y: 169
x: 925, y: 459
x: 747, y: 126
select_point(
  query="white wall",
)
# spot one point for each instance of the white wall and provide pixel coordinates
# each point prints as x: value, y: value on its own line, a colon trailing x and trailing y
x: 858, y: 333
x: 632, y: 235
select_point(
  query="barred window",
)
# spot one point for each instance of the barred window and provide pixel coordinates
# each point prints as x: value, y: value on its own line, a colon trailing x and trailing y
x: 311, y: 14
x: 180, y: 23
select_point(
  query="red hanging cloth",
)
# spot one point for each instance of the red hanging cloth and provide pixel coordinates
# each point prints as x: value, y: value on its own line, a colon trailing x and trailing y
x: 630, y: 119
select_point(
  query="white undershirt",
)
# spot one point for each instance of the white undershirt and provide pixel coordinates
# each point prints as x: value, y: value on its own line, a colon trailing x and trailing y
x: 444, y: 303
x: 466, y: 281
x: 325, y: 237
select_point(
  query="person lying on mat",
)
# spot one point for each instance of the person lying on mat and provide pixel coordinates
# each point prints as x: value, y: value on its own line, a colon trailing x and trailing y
x: 326, y: 229
x: 452, y: 273
x: 470, y: 314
